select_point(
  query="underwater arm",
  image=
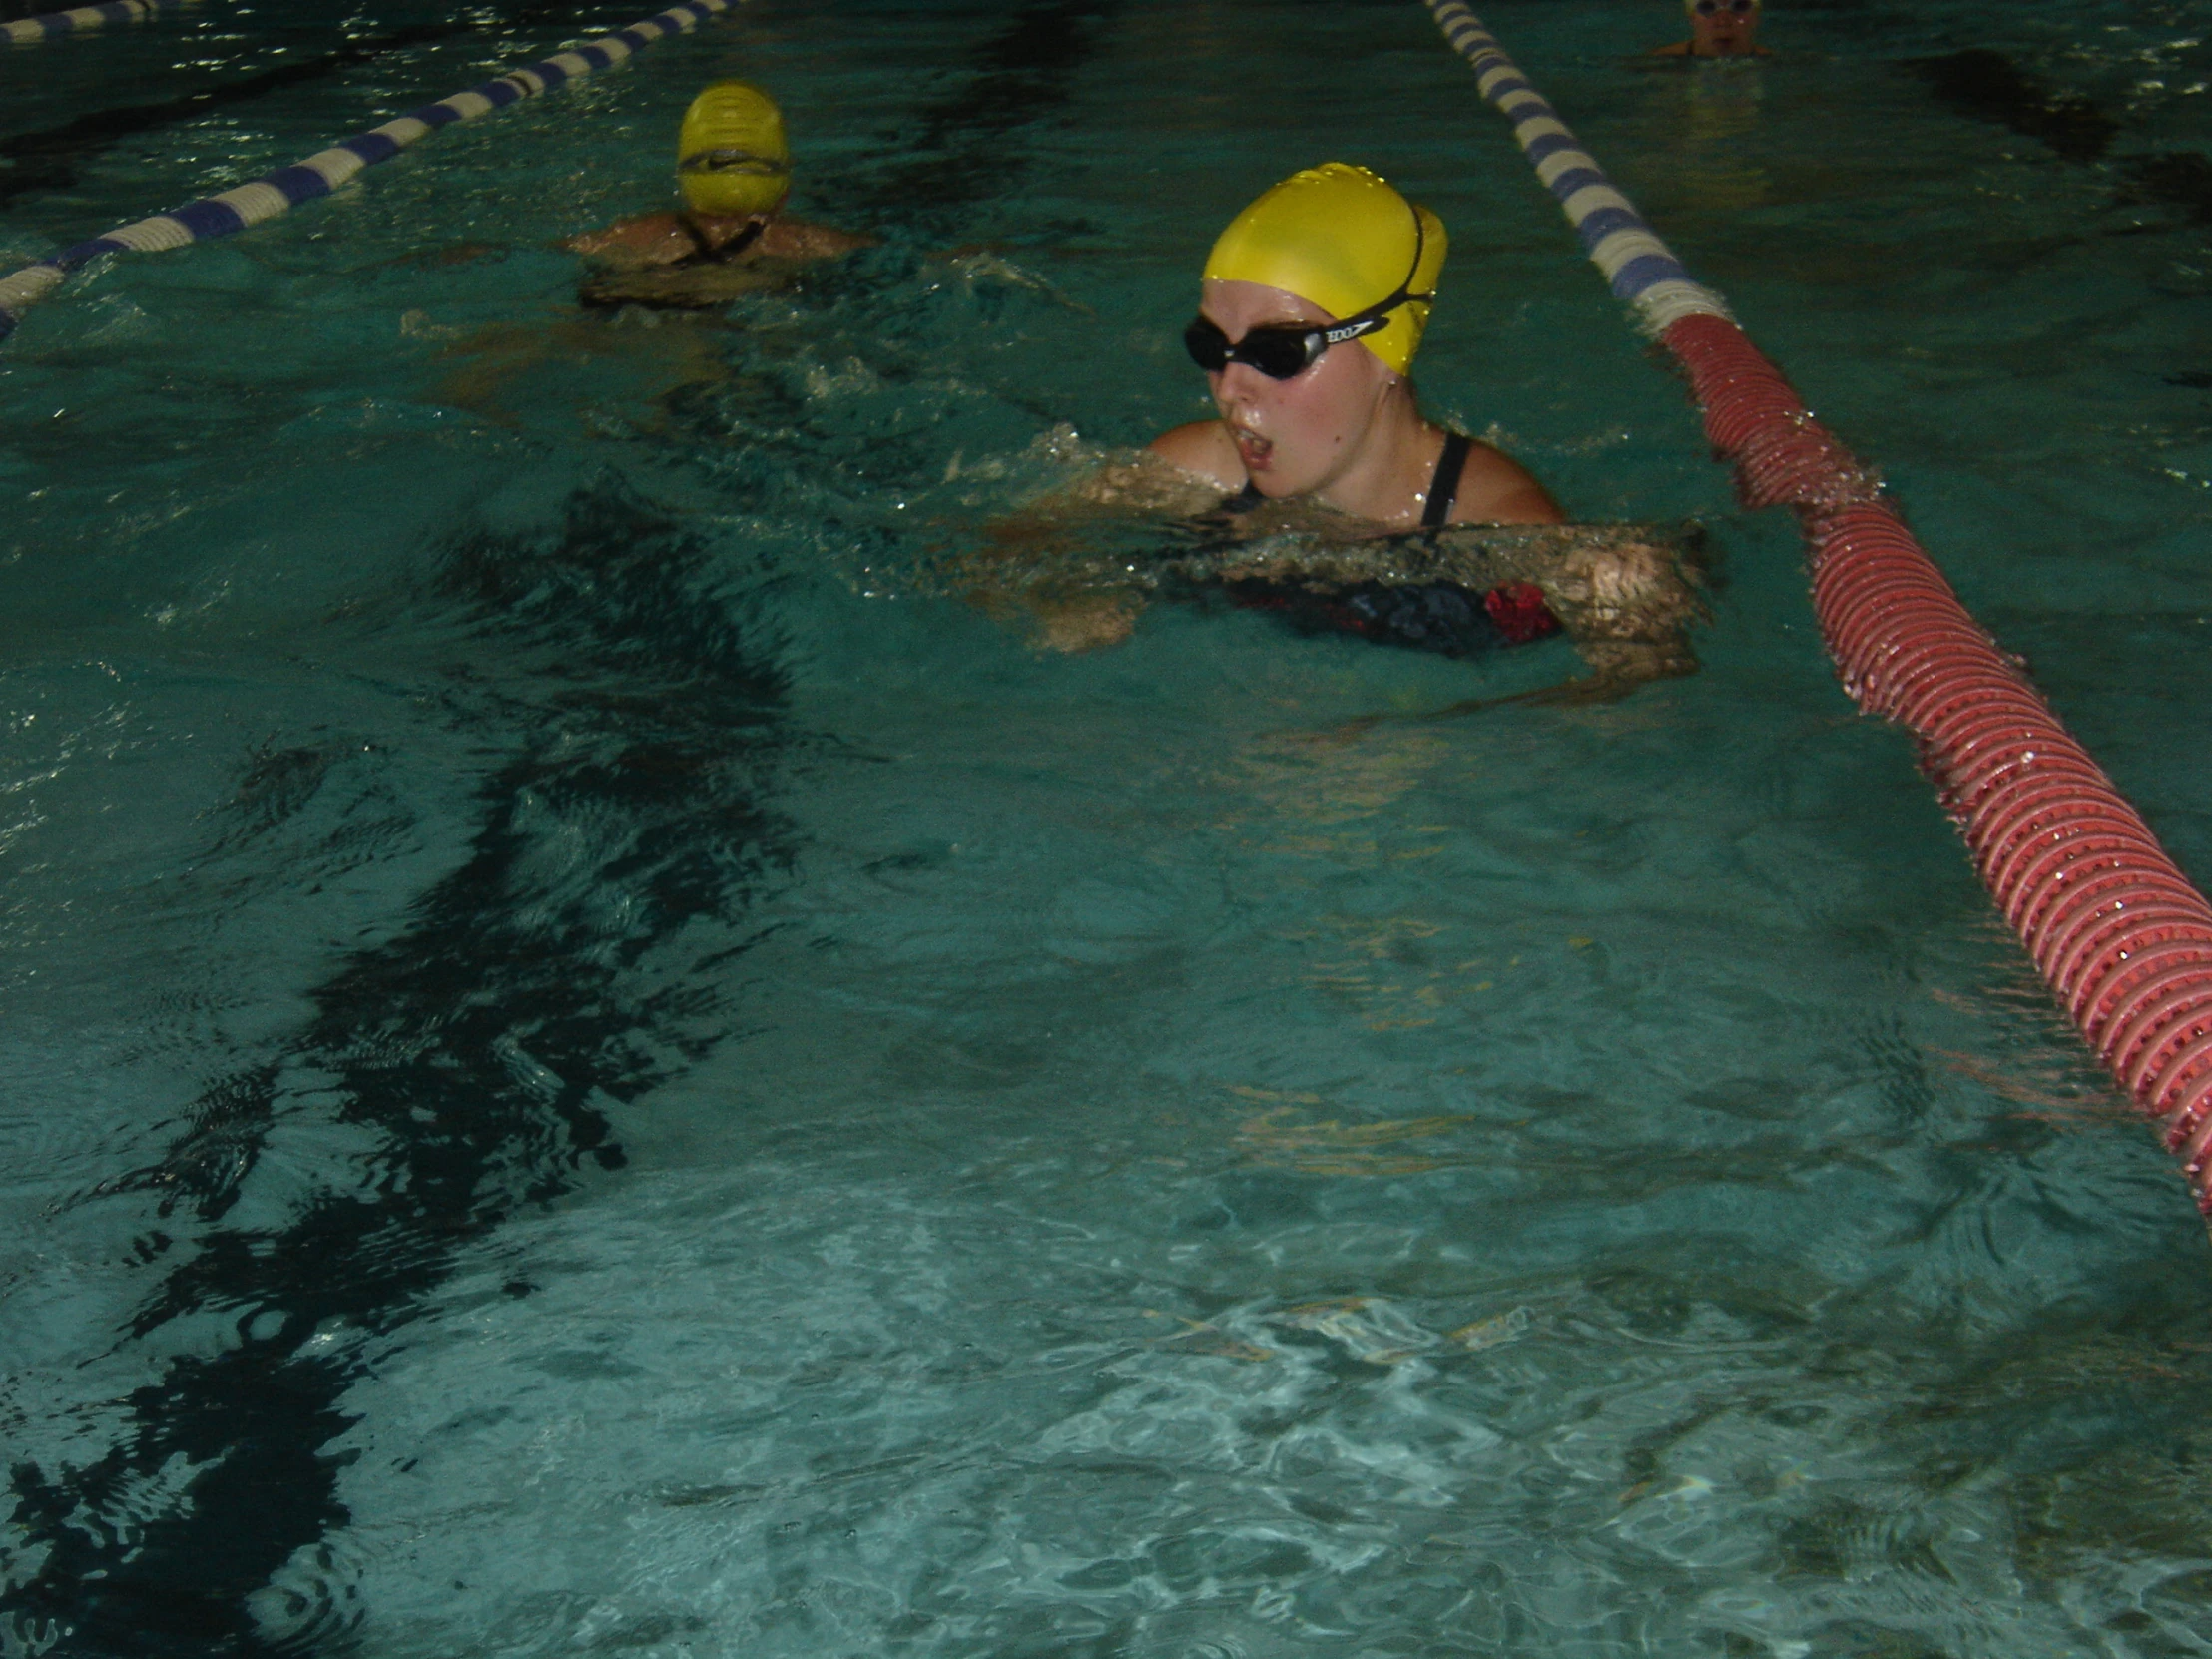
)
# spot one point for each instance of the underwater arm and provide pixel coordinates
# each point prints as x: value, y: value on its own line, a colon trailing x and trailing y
x: 1033, y: 569
x: 1624, y: 594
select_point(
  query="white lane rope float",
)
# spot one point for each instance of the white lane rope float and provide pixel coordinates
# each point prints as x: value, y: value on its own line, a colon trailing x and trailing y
x: 26, y: 31
x: 1641, y: 268
x: 279, y: 191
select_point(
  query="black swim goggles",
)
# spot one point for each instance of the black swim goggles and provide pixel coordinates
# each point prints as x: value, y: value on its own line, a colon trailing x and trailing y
x: 732, y: 160
x: 1283, y: 352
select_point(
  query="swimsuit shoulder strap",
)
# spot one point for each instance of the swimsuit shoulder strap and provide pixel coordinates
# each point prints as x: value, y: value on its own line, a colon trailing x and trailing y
x: 701, y: 254
x: 743, y: 241
x: 1443, y: 488
x: 697, y: 238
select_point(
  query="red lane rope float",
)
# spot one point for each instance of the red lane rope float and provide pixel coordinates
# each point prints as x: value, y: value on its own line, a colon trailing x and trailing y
x: 2121, y: 937
x: 2115, y: 928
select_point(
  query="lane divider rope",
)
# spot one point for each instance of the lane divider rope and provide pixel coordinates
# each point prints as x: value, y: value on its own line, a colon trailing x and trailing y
x: 2119, y: 933
x: 83, y: 19
x: 318, y: 175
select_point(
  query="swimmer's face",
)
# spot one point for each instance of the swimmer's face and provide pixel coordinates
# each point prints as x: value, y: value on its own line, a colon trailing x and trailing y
x: 1723, y: 28
x: 1294, y: 436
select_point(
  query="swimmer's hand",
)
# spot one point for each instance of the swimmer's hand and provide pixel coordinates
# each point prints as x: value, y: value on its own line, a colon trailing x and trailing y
x: 1056, y: 616
x: 1075, y: 623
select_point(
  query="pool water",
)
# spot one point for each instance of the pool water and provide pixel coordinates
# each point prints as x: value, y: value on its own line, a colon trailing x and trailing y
x: 595, y: 1062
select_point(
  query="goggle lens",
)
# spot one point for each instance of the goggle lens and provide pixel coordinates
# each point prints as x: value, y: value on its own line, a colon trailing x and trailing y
x: 1278, y: 354
x: 1711, y: 8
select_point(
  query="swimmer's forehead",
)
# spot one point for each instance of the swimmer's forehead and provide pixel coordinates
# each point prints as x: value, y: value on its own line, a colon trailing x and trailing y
x: 1240, y: 305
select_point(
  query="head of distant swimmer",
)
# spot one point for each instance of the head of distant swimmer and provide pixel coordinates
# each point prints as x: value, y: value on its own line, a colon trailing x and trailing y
x: 732, y: 158
x: 1327, y: 247
x: 1723, y: 28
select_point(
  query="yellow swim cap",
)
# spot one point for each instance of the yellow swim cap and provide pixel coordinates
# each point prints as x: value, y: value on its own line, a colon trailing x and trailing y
x: 1340, y: 236
x: 731, y: 154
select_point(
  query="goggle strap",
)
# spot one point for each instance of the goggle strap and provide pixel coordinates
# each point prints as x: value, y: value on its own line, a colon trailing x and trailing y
x: 712, y: 160
x: 1377, y: 315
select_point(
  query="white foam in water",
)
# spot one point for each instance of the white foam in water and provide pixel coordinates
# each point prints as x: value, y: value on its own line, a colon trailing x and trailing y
x: 1119, y: 1154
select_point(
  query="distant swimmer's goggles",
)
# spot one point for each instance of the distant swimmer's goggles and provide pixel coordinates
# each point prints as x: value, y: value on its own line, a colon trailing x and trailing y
x: 1713, y: 8
x: 733, y: 161
x: 1287, y: 350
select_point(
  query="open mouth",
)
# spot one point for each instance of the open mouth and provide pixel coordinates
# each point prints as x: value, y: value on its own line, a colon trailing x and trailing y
x: 1252, y: 449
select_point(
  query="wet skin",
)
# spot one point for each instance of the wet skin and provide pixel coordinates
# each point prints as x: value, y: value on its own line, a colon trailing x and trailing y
x: 1344, y: 431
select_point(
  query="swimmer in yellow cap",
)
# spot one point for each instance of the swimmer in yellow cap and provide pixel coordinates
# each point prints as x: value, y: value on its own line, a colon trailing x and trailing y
x: 733, y: 166
x: 1719, y: 29
x: 1313, y: 303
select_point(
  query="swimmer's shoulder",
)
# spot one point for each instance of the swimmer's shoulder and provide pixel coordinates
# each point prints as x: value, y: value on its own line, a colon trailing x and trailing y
x: 670, y: 239
x: 795, y: 239
x: 1203, y: 449
x: 1496, y: 489
x: 1683, y: 49
x: 647, y: 239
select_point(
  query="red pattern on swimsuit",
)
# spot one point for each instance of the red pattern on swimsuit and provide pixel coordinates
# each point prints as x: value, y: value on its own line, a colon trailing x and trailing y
x: 1519, y: 612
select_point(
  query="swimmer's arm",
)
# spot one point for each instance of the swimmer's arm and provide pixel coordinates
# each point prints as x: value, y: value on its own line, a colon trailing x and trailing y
x: 1012, y: 575
x: 1203, y: 449
x: 646, y: 240
x: 1496, y: 489
x: 1143, y: 486
x: 794, y: 239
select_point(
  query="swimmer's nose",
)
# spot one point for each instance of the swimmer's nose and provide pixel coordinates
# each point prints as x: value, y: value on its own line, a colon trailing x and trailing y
x: 1237, y: 383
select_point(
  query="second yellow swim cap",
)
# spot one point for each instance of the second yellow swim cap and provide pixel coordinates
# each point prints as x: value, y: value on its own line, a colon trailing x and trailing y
x: 1340, y: 236
x: 730, y: 153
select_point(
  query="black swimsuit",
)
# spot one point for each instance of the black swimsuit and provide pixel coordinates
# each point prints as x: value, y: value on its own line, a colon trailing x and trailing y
x: 703, y: 254
x: 1442, y: 617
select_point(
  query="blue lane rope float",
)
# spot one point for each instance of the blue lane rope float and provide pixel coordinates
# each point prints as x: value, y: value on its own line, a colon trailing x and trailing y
x: 58, y: 25
x: 1641, y: 268
x: 279, y: 191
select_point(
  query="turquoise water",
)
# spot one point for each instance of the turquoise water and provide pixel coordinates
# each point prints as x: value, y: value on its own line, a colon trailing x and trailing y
x: 593, y: 1066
